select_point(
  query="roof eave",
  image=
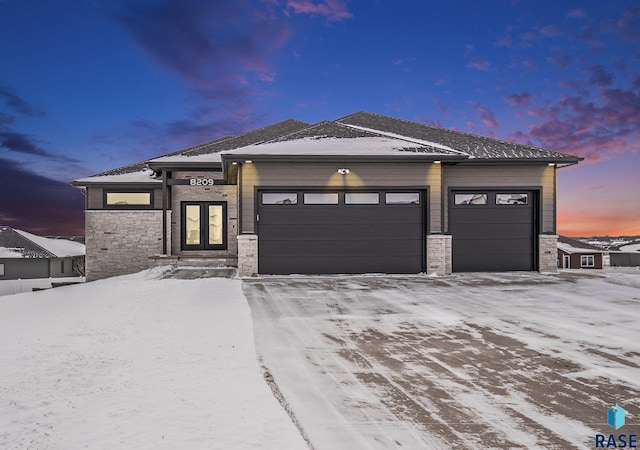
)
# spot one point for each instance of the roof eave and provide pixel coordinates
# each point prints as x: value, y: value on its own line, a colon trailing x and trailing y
x: 404, y: 157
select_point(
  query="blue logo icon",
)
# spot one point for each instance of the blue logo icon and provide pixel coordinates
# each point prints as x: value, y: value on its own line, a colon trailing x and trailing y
x: 615, y: 416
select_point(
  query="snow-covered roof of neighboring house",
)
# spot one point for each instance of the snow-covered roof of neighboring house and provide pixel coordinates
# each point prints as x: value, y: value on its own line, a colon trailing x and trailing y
x: 21, y: 244
x: 348, y: 136
x: 630, y: 248
x: 569, y: 245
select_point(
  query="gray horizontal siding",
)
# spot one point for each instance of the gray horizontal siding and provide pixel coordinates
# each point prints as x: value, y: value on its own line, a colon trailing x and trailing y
x: 325, y: 175
x: 507, y: 176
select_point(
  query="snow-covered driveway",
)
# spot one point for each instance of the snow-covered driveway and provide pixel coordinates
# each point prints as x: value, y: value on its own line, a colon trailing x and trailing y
x: 519, y: 360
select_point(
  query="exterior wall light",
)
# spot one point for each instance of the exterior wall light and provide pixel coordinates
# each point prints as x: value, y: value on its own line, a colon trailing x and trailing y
x: 343, y: 171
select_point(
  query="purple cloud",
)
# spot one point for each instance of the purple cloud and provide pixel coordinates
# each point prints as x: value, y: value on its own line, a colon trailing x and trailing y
x: 487, y: 116
x: 563, y: 61
x: 479, y: 64
x: 18, y: 104
x: 28, y: 198
x: 518, y: 99
x: 599, y: 76
x: 22, y: 143
x: 577, y: 14
x: 333, y: 10
x: 628, y: 26
x: 202, y: 41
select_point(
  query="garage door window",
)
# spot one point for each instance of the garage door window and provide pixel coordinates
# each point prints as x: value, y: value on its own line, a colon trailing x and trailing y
x: 403, y: 198
x: 362, y: 198
x: 280, y: 198
x: 470, y: 199
x: 512, y: 199
x: 321, y: 198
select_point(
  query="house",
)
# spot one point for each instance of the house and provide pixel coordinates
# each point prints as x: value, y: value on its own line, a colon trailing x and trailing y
x: 575, y: 254
x: 27, y: 256
x: 366, y: 193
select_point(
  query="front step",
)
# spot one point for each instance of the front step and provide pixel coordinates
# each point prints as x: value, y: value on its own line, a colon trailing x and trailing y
x: 193, y: 261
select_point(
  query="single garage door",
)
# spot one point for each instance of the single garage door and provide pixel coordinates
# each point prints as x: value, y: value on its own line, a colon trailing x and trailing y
x: 312, y: 232
x: 493, y: 230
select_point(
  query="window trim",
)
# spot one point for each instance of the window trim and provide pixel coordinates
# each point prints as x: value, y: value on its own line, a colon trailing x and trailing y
x: 151, y: 204
x: 588, y: 258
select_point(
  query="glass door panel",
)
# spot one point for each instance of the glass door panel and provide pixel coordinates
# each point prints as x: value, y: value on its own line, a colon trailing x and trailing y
x: 215, y: 225
x: 192, y: 225
x: 204, y: 225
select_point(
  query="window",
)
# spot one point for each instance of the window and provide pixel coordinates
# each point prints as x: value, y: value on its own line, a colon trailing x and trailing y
x: 402, y: 198
x: 127, y: 199
x: 62, y: 266
x: 1, y: 269
x: 321, y: 198
x: 512, y: 199
x: 279, y: 198
x: 470, y: 199
x: 587, y: 261
x: 362, y: 198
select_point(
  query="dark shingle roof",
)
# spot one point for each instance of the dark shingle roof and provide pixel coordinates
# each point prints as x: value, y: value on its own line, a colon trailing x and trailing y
x: 479, y: 147
x: 13, y: 240
x: 221, y: 144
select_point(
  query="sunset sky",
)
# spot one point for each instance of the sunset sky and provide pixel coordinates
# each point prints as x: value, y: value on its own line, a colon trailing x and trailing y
x: 90, y: 85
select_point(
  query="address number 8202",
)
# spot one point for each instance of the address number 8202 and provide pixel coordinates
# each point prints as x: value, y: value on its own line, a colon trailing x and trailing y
x: 201, y: 182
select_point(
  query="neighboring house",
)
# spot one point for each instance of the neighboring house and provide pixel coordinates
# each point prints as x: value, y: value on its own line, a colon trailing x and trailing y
x: 575, y: 254
x: 27, y: 256
x: 362, y: 194
x: 628, y: 256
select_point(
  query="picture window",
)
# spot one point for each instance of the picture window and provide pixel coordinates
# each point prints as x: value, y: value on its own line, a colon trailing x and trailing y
x: 127, y: 199
x: 587, y: 261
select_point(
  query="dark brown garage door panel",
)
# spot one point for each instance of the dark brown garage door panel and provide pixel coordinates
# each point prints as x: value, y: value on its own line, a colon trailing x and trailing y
x: 493, y: 237
x: 323, y: 239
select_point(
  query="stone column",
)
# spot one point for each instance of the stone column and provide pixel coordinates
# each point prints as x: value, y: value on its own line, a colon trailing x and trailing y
x: 548, y: 253
x: 439, y: 254
x: 248, y: 255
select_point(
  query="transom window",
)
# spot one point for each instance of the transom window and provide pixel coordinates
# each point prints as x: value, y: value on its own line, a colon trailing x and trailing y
x: 128, y: 199
x: 470, y: 199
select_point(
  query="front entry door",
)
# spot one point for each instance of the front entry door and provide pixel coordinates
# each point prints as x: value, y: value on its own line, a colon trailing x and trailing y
x: 204, y: 225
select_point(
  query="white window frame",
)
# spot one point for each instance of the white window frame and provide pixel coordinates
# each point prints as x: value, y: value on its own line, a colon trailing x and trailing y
x: 587, y: 261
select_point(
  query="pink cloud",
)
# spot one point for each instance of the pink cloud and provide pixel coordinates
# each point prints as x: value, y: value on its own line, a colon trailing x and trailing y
x: 550, y: 31
x: 577, y: 14
x: 486, y: 115
x: 333, y: 10
x: 479, y: 64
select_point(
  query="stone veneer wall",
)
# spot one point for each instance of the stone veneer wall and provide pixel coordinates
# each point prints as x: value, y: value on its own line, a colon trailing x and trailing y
x: 439, y: 254
x: 247, y: 255
x: 548, y: 253
x: 120, y: 242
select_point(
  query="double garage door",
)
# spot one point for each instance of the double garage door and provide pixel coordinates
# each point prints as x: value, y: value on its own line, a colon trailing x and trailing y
x: 313, y: 232
x: 382, y: 231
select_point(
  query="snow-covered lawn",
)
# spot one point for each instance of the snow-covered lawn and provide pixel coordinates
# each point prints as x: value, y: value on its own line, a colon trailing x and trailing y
x: 516, y: 360
x: 135, y: 362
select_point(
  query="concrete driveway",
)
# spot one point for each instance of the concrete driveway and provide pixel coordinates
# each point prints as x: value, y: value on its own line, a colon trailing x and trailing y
x: 519, y: 360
